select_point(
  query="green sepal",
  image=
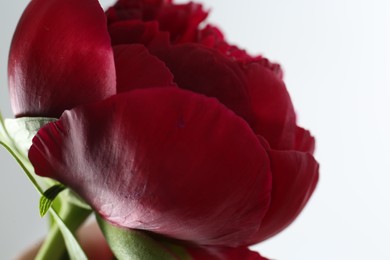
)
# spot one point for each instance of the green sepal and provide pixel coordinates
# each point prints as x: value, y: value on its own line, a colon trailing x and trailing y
x: 139, y: 245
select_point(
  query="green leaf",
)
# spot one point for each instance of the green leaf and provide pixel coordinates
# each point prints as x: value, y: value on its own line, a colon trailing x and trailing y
x: 48, y: 197
x: 74, y: 249
x: 139, y: 245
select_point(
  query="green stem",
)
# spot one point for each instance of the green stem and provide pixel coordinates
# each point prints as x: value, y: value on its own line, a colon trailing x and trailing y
x: 54, y: 246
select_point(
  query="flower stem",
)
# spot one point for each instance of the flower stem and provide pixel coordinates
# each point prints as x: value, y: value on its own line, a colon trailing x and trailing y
x: 54, y: 246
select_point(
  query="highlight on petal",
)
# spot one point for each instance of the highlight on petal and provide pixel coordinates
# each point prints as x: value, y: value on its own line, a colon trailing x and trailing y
x: 294, y: 178
x: 60, y: 57
x: 137, y: 68
x: 164, y: 160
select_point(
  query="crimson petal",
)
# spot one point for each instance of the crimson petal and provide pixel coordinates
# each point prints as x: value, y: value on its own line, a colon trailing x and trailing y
x: 273, y: 110
x: 181, y: 21
x: 208, y: 72
x: 137, y: 68
x: 60, y: 57
x: 135, y: 31
x: 161, y: 159
x: 135, y: 9
x: 304, y: 141
x: 294, y: 178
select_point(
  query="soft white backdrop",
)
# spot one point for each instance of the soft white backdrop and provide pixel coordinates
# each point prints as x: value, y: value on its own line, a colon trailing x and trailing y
x: 336, y: 56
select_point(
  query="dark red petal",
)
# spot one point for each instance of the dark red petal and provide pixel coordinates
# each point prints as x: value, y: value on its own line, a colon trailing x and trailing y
x: 135, y: 31
x: 181, y: 21
x: 212, y: 37
x: 304, y: 141
x: 60, y: 57
x: 272, y: 107
x: 294, y: 178
x: 223, y: 253
x: 161, y: 159
x: 137, y: 68
x: 208, y: 72
x: 146, y: 10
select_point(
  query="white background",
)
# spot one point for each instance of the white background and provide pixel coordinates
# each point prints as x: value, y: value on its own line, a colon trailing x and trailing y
x: 336, y: 56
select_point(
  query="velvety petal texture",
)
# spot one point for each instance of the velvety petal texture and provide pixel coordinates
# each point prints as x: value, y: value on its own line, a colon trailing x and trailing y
x: 164, y: 160
x: 60, y: 57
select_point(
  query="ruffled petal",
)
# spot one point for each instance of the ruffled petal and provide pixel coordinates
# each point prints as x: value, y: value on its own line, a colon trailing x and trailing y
x: 271, y: 105
x: 135, y: 9
x: 137, y: 68
x: 60, y: 57
x: 223, y: 253
x: 164, y: 160
x: 180, y: 20
x: 212, y: 37
x: 294, y: 178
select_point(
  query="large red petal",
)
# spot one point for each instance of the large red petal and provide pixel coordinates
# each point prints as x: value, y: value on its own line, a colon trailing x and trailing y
x: 137, y: 68
x: 161, y: 159
x: 294, y: 178
x: 208, y: 72
x: 272, y: 107
x: 60, y: 57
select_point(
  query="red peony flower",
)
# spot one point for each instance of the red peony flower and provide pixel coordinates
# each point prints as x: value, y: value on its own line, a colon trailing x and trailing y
x: 195, y: 139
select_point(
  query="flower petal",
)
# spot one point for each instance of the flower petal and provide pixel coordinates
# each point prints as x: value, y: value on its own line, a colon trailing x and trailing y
x: 180, y: 20
x: 212, y: 37
x: 223, y: 253
x: 60, y: 57
x: 272, y: 107
x: 161, y: 159
x: 294, y: 178
x: 304, y: 141
x: 208, y: 72
x: 137, y: 68
x: 135, y: 31
x: 135, y: 9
